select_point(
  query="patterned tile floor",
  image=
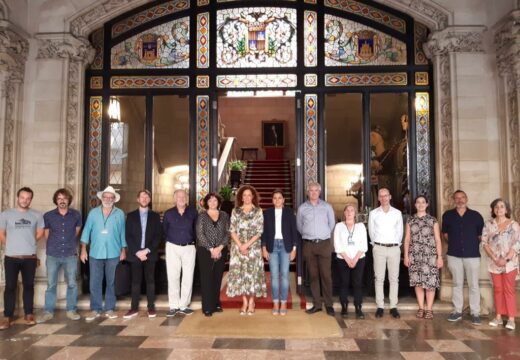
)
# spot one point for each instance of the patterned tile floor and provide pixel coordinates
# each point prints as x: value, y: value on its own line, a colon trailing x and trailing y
x: 142, y: 338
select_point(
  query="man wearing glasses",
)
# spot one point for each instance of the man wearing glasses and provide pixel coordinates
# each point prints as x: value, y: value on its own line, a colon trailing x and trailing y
x: 104, y: 232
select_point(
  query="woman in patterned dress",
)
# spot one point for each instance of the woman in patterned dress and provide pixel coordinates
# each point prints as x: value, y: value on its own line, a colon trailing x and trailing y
x: 246, y: 276
x: 212, y: 246
x: 423, y: 255
x: 501, y: 242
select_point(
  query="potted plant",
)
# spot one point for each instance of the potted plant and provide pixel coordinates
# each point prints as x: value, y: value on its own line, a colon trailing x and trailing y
x: 235, y: 172
x: 226, y: 192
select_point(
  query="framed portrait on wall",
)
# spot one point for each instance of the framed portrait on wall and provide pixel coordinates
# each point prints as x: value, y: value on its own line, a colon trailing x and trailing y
x: 273, y: 133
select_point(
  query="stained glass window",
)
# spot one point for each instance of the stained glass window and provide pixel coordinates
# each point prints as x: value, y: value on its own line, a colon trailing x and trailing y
x: 163, y: 46
x: 118, y: 151
x: 350, y: 43
x: 422, y: 138
x: 257, y: 81
x: 310, y: 26
x: 256, y: 37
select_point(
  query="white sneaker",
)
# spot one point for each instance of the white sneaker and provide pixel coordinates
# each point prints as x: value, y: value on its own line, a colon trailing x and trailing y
x: 73, y: 315
x: 46, y: 316
x: 510, y: 325
x: 111, y: 314
x: 495, y: 322
x: 92, y: 315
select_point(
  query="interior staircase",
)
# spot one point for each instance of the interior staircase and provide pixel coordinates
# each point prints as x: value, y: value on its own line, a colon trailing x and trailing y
x: 267, y: 175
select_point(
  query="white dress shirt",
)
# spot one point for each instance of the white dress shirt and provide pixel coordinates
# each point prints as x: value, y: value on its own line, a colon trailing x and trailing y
x: 385, y: 227
x: 278, y: 223
x: 357, y: 243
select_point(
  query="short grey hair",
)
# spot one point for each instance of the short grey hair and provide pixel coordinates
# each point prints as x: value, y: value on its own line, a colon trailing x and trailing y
x: 314, y: 184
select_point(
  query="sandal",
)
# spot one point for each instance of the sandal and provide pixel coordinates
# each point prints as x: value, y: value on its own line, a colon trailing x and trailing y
x: 428, y: 314
x: 251, y: 309
x: 243, y: 310
x: 419, y: 314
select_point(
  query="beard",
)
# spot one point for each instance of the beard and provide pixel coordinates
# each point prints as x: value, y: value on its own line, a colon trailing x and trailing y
x: 107, y: 204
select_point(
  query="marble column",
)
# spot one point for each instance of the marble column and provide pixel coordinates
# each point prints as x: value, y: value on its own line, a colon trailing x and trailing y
x: 444, y: 49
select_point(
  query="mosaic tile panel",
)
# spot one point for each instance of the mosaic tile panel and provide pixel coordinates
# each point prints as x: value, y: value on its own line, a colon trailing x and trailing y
x: 310, y: 38
x: 163, y: 46
x: 148, y: 15
x: 348, y: 43
x: 96, y: 82
x: 422, y: 138
x: 369, y: 12
x: 94, y: 149
x: 203, y: 149
x: 257, y: 81
x: 310, y: 1
x: 367, y: 79
x: 311, y: 80
x: 256, y: 37
x: 97, y: 42
x: 203, y: 81
x: 225, y: 1
x: 420, y: 37
x: 203, y: 40
x: 421, y: 78
x: 202, y: 2
x: 150, y: 82
x: 311, y: 138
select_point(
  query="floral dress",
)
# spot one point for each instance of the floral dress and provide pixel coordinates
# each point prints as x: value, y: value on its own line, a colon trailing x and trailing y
x: 500, y: 243
x: 246, y: 272
x: 422, y: 253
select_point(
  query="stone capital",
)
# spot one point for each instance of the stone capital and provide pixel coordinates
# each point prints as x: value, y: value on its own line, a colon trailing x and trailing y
x: 455, y: 39
x: 64, y: 46
x: 507, y: 43
x: 14, y: 48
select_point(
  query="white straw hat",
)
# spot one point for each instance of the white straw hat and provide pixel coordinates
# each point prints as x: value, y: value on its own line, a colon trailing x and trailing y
x: 111, y: 190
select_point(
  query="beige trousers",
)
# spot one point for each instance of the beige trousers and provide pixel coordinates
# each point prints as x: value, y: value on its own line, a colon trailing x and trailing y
x: 386, y: 257
x: 179, y: 258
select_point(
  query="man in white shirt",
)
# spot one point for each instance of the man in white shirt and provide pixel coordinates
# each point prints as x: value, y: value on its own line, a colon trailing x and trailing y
x: 385, y: 227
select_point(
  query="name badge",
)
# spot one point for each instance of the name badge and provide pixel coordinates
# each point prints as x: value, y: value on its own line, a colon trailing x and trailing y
x: 104, y: 231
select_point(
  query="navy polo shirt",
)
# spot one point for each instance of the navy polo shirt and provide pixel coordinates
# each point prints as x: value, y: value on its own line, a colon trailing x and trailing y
x: 62, y: 239
x: 463, y: 232
x: 180, y: 229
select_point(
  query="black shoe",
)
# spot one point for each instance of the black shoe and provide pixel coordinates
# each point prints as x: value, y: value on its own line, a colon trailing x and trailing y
x: 359, y: 313
x: 395, y: 313
x: 330, y: 310
x: 344, y: 311
x: 379, y: 313
x: 218, y: 308
x: 208, y: 313
x: 312, y: 310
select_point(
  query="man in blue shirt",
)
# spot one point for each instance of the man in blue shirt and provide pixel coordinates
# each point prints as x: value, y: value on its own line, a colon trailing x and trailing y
x: 179, y: 228
x: 62, y: 227
x: 462, y: 228
x: 105, y: 233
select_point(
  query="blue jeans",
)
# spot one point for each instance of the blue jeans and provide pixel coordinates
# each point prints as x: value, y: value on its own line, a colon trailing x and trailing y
x: 279, y: 267
x: 98, y: 269
x: 70, y: 267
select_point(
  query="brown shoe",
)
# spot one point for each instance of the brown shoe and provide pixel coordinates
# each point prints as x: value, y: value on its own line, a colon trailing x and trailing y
x: 29, y: 319
x: 5, y: 323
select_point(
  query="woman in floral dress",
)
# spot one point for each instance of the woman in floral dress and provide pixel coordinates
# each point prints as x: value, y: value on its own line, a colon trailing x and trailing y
x: 501, y: 242
x: 423, y: 256
x: 246, y: 276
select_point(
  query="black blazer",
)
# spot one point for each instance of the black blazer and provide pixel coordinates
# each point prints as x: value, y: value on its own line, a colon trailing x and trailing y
x: 153, y: 235
x: 289, y: 232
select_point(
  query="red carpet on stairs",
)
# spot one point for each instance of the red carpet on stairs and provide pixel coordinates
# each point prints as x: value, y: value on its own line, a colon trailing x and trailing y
x: 294, y: 301
x: 267, y: 175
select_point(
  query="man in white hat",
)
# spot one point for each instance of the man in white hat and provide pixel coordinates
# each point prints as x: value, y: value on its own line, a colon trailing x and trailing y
x: 105, y: 233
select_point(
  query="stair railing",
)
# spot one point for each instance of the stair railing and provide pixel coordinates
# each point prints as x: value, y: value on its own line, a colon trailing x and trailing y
x: 228, y: 153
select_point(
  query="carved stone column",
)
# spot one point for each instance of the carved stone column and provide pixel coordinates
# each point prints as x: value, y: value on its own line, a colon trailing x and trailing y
x: 442, y: 47
x: 507, y: 42
x: 76, y: 53
x: 13, y: 55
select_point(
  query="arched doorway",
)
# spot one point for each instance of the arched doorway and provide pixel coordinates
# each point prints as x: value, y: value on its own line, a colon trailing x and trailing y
x: 175, y: 57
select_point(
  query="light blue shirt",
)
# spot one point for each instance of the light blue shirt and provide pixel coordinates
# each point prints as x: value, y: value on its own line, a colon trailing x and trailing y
x: 144, y: 218
x: 106, y: 236
x: 315, y: 222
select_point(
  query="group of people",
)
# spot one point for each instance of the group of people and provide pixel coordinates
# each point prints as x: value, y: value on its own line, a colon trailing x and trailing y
x: 252, y: 235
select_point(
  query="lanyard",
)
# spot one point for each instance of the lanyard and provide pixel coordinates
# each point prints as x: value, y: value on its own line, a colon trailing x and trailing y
x: 106, y: 219
x: 350, y: 234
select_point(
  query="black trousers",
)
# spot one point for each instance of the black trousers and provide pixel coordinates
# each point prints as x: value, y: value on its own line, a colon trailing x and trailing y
x: 352, y: 277
x: 210, y: 278
x: 318, y: 257
x: 12, y: 267
x: 138, y: 267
